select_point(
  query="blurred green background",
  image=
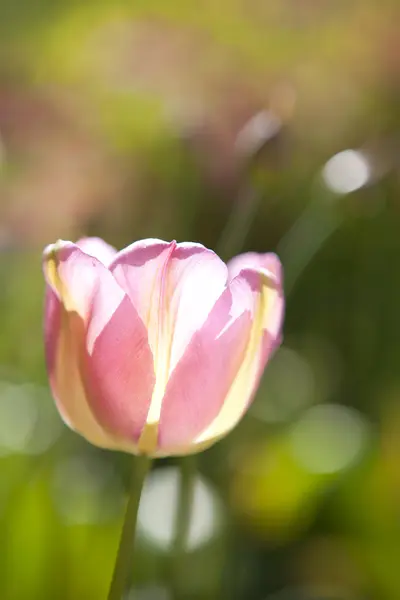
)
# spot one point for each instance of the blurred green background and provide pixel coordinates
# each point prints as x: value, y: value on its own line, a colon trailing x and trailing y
x: 245, y: 125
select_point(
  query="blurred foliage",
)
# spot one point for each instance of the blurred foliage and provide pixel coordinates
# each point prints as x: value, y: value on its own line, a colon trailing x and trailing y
x: 215, y: 122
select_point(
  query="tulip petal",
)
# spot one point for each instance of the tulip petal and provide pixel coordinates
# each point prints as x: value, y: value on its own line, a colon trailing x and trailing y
x: 98, y: 248
x: 118, y: 372
x: 202, y: 378
x: 268, y: 305
x: 74, y: 276
x: 271, y: 266
x: 252, y: 260
x: 173, y: 287
x: 139, y: 269
x: 115, y: 347
x: 64, y: 338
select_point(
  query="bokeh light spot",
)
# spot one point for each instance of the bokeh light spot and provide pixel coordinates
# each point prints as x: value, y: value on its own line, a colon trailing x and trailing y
x: 329, y: 438
x: 29, y: 422
x: 346, y: 172
x: 157, y: 513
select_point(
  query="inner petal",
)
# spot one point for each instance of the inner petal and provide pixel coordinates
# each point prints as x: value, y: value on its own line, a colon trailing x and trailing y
x: 173, y: 288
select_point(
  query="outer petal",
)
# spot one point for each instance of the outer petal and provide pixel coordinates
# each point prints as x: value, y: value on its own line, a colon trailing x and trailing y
x: 64, y: 338
x: 201, y: 380
x: 118, y: 372
x: 265, y: 336
x: 73, y: 275
x: 270, y: 265
x: 252, y: 260
x: 103, y: 319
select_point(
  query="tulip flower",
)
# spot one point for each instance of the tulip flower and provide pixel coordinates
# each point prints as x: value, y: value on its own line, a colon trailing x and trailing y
x: 157, y: 349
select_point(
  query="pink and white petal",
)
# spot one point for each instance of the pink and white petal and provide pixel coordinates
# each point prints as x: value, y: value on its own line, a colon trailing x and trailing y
x: 195, y: 281
x: 270, y: 265
x: 91, y: 296
x: 173, y: 287
x: 202, y: 378
x: 253, y: 260
x: 95, y: 246
x: 138, y: 269
x: 75, y: 277
x: 264, y: 338
x: 64, y: 341
x: 118, y: 370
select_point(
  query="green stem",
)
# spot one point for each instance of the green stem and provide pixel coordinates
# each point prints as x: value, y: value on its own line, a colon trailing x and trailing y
x: 183, y: 515
x: 123, y: 563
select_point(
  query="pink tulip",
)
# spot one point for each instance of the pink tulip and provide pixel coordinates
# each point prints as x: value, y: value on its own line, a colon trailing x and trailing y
x: 157, y: 349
